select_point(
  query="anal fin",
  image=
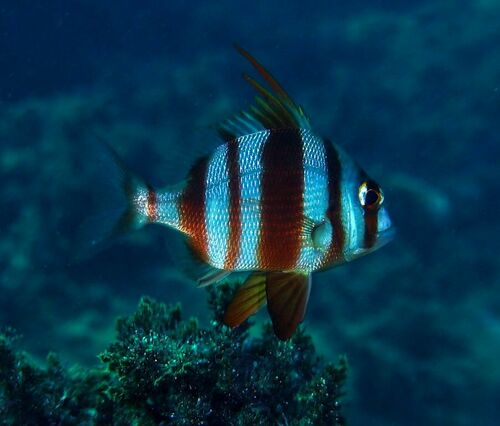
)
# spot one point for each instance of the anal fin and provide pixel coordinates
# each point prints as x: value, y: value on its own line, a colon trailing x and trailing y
x: 287, y: 294
x: 287, y: 297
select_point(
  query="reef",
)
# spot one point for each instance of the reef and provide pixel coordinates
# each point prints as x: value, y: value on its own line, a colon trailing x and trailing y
x: 162, y: 369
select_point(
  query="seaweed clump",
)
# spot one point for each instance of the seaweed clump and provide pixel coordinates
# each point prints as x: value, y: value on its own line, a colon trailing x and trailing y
x: 165, y: 370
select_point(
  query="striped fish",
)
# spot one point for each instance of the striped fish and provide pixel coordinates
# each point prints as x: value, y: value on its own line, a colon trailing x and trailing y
x: 275, y: 199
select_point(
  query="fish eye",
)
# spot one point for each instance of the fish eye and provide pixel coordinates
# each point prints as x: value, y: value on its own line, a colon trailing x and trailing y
x: 370, y: 195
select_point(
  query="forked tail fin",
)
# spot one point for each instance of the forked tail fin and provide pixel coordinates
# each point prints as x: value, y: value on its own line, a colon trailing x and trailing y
x: 140, y: 198
x: 124, y: 202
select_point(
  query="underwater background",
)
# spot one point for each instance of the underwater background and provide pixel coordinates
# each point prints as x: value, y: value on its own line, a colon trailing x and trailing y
x: 411, y: 89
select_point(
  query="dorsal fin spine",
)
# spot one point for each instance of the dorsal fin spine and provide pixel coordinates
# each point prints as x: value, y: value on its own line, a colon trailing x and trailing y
x: 273, y: 108
x: 266, y: 74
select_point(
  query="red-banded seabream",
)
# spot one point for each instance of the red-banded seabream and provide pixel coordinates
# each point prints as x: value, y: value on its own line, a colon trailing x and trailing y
x: 275, y: 200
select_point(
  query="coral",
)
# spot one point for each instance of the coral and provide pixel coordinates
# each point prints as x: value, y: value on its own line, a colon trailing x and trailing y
x: 163, y: 369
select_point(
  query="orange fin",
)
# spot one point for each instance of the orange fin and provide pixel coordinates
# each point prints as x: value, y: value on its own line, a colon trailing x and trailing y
x: 248, y: 300
x: 287, y: 297
x: 273, y: 109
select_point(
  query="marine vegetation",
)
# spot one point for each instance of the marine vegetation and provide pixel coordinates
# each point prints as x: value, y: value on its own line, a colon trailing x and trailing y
x: 163, y: 369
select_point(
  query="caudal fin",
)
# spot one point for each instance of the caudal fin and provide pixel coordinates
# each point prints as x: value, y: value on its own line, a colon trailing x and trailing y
x: 121, y: 204
x: 137, y: 195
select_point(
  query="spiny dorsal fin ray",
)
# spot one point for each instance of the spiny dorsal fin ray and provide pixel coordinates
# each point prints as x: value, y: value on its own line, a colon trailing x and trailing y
x: 273, y: 109
x: 287, y: 297
x: 265, y: 73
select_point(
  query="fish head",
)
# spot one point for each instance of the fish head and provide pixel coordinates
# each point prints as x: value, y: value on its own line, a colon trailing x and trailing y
x: 364, y: 216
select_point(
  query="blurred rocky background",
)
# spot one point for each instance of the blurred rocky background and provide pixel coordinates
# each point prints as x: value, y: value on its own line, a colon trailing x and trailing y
x: 410, y: 89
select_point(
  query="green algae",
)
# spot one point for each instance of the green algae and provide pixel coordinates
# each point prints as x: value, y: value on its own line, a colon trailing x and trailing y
x: 162, y: 369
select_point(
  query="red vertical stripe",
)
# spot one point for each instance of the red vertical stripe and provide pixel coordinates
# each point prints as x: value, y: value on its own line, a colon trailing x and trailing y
x: 151, y: 208
x: 192, y: 208
x: 233, y: 244
x: 334, y: 213
x: 282, y: 199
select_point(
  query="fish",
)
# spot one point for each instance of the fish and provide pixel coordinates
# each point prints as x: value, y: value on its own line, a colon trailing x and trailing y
x: 274, y: 199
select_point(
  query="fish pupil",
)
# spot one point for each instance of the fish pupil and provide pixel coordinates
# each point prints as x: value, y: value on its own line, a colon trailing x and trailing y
x: 371, y: 198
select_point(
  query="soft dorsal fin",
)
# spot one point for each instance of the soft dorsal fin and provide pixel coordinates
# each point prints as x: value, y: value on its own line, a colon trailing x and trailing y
x: 273, y: 109
x: 249, y: 298
x: 287, y: 297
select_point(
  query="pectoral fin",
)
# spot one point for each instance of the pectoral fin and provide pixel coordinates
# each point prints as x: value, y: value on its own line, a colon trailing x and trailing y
x: 287, y: 297
x: 249, y: 298
x: 317, y: 235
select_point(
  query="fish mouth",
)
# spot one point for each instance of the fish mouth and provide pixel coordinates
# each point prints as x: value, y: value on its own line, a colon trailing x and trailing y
x: 385, y: 236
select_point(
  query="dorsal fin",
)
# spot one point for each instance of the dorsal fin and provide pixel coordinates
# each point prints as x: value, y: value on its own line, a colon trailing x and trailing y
x: 273, y: 109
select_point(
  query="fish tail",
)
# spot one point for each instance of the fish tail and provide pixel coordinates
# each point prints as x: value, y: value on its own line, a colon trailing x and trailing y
x: 125, y: 203
x: 139, y: 198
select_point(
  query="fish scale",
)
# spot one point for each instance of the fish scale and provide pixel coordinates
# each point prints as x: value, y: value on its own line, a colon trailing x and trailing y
x: 250, y: 170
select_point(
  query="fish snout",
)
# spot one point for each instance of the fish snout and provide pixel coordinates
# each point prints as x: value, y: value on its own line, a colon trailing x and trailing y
x: 385, y: 228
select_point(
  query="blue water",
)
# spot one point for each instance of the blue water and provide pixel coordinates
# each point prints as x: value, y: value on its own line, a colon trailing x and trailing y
x: 410, y: 89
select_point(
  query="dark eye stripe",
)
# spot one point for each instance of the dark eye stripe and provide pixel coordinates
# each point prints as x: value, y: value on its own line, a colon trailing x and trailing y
x: 371, y: 227
x: 370, y: 212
